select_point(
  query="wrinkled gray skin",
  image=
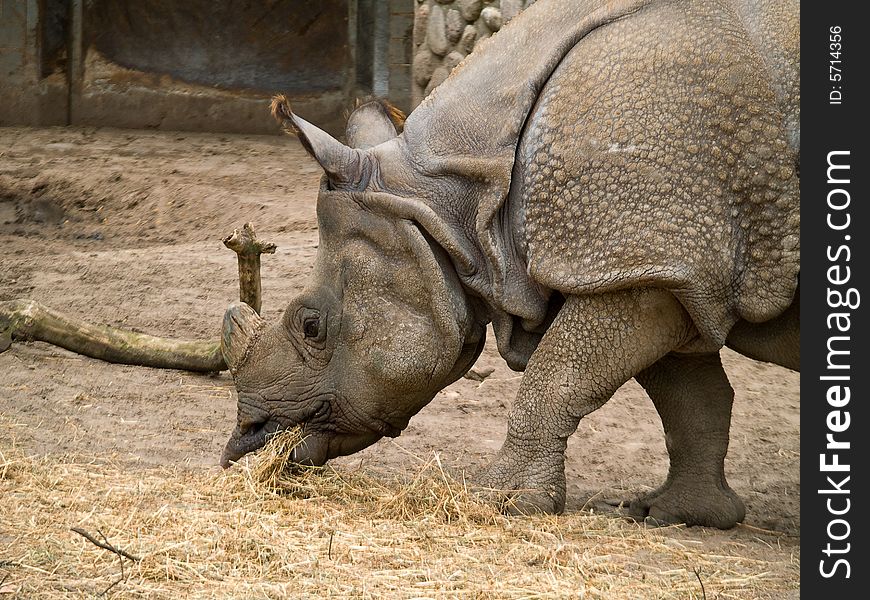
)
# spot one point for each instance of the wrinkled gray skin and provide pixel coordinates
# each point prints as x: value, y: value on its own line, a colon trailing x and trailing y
x: 619, y: 198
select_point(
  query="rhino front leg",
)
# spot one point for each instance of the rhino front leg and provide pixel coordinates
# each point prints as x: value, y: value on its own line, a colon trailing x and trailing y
x: 595, y: 344
x: 693, y: 397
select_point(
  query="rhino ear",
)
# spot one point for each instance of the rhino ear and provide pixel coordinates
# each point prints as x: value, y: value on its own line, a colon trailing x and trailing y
x: 345, y: 167
x: 373, y: 121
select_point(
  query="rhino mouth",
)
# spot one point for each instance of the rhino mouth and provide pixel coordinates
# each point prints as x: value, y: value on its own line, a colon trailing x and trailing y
x: 243, y: 441
x: 313, y: 451
x: 307, y: 453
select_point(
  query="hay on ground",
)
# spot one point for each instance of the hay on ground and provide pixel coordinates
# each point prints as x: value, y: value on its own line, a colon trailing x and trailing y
x: 265, y: 530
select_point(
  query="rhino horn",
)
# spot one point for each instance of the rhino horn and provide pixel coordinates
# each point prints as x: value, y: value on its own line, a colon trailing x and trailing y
x: 345, y: 167
x: 241, y: 324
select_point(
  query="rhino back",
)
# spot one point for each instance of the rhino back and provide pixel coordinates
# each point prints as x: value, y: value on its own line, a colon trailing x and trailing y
x: 657, y: 155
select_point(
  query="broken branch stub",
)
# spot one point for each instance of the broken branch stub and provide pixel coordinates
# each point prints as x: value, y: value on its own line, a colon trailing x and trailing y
x: 245, y: 244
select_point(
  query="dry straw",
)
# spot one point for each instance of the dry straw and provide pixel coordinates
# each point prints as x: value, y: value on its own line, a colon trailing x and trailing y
x: 266, y: 530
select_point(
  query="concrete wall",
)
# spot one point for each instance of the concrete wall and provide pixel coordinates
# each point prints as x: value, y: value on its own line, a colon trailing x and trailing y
x: 205, y: 65
x: 400, y: 53
x: 446, y: 31
x: 199, y: 64
x: 384, y: 49
x: 31, y: 92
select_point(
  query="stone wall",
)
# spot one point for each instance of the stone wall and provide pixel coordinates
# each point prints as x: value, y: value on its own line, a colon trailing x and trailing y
x: 446, y: 31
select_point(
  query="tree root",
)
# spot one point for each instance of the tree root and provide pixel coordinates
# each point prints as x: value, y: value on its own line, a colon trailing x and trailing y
x: 29, y: 320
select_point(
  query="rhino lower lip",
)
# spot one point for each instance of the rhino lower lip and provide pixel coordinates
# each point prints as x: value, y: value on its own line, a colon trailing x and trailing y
x: 243, y: 443
x: 301, y: 455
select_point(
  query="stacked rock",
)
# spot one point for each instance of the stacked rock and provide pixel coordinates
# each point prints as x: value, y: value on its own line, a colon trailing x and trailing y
x: 446, y: 31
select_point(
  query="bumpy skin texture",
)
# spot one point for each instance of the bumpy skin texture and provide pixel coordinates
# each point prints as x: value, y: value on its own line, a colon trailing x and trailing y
x: 684, y: 180
x: 617, y: 195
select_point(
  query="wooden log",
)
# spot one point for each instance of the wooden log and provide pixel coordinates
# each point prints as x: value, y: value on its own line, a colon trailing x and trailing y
x: 29, y: 320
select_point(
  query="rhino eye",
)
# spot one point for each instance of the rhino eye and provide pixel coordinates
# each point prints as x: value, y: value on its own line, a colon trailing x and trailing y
x: 311, y: 327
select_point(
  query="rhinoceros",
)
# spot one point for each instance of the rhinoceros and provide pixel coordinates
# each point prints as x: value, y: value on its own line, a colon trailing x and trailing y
x: 613, y: 186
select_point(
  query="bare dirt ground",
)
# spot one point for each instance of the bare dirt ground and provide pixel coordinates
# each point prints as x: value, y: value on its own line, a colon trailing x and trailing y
x: 124, y: 228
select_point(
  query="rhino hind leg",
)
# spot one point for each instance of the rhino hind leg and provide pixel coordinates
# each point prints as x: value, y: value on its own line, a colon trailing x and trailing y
x: 595, y: 344
x: 693, y: 398
x: 776, y: 341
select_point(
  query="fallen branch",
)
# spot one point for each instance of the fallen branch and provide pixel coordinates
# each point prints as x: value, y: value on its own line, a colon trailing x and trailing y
x: 698, y: 575
x: 30, y: 320
x: 104, y: 545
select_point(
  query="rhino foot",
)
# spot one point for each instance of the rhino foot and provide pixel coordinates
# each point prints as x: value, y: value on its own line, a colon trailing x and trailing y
x: 516, y: 501
x: 690, y: 504
x: 524, y: 487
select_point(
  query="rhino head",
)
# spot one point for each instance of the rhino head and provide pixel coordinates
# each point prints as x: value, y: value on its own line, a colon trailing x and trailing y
x: 381, y: 325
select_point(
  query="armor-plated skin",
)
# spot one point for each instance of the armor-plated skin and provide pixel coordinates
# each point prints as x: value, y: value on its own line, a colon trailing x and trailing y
x: 619, y: 199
